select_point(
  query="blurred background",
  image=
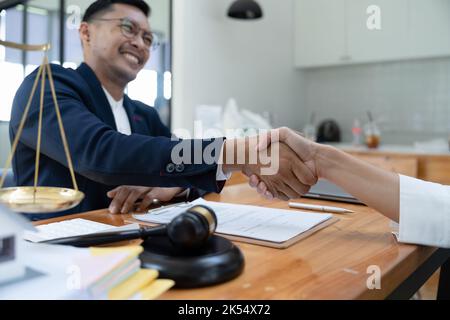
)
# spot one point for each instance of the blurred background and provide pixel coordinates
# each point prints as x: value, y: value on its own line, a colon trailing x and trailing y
x: 337, y: 69
x: 371, y: 77
x: 57, y: 22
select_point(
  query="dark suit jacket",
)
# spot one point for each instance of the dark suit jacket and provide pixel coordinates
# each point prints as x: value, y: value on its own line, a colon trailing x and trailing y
x: 102, y: 157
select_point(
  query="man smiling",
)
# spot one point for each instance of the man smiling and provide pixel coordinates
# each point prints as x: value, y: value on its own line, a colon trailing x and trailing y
x: 116, y: 142
x: 117, y: 41
x: 116, y: 62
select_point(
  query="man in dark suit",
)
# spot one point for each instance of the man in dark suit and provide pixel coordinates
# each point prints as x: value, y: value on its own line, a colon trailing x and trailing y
x: 116, y: 142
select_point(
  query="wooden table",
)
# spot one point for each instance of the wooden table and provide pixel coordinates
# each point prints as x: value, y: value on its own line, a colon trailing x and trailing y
x: 331, y: 264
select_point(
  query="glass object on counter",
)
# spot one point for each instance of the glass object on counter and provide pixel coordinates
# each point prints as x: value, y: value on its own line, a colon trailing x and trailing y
x: 309, y: 130
x: 449, y: 142
x: 357, y: 133
x: 372, y: 133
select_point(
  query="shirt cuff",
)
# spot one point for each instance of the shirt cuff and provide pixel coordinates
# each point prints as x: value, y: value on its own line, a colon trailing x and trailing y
x: 184, y: 193
x: 424, y: 213
x: 220, y: 175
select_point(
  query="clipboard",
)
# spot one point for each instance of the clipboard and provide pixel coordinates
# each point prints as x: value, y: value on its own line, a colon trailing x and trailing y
x: 264, y: 243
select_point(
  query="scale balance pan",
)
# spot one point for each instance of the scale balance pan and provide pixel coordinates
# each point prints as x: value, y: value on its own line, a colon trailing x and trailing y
x: 34, y: 200
x: 40, y: 199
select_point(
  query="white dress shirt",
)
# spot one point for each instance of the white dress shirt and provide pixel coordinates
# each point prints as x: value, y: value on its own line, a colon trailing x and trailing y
x: 424, y: 213
x: 123, y: 126
x: 120, y: 114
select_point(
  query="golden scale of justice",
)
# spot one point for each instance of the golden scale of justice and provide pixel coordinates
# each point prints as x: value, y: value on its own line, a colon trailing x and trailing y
x: 39, y: 199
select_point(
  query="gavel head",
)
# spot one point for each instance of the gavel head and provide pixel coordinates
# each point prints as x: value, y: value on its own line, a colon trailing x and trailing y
x: 193, y: 228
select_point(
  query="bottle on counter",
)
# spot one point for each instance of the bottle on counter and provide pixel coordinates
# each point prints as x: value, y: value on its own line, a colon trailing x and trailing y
x: 310, y: 129
x: 372, y: 133
x: 357, y: 133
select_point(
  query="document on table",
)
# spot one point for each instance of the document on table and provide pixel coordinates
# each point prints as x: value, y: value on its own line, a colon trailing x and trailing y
x: 70, y: 228
x: 260, y: 223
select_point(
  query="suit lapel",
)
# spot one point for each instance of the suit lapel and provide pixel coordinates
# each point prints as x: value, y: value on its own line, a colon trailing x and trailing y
x: 137, y: 122
x: 101, y: 105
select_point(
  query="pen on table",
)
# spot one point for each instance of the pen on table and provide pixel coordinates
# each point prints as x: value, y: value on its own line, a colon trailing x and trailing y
x: 318, y: 208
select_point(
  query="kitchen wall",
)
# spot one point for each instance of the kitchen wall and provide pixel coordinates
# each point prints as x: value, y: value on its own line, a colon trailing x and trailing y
x: 216, y: 58
x: 411, y: 99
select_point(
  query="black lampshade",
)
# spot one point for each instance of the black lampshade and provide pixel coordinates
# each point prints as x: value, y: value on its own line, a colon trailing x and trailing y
x: 245, y: 10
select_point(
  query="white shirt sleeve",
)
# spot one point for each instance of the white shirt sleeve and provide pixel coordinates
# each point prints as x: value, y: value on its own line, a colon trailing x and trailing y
x: 424, y: 213
x: 220, y: 175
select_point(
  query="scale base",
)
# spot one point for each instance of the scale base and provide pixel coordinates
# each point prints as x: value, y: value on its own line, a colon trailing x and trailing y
x: 218, y: 261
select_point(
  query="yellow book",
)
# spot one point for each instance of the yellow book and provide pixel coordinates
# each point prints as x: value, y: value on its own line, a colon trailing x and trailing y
x: 154, y: 290
x: 133, y: 284
x: 133, y: 251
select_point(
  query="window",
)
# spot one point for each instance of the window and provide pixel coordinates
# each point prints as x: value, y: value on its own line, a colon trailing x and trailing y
x: 17, y: 25
x: 7, y: 249
x: 11, y: 69
x: 153, y: 86
x: 9, y: 85
x: 145, y: 87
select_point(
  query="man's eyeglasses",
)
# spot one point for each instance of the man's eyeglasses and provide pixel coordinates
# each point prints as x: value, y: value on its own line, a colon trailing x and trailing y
x: 131, y: 29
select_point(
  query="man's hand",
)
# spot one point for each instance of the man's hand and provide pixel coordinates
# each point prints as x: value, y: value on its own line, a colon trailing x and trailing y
x: 125, y: 197
x: 306, y: 151
x: 291, y: 179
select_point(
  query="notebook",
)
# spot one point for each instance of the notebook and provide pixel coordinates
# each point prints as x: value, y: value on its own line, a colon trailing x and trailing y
x: 277, y: 228
x: 69, y: 228
x: 325, y: 190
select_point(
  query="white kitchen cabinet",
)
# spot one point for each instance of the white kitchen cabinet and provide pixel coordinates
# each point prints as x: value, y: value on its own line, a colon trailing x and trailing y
x: 429, y: 25
x: 389, y: 42
x: 335, y: 32
x: 320, y: 32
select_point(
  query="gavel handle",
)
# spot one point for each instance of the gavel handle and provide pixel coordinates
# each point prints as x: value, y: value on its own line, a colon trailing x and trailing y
x: 96, y: 239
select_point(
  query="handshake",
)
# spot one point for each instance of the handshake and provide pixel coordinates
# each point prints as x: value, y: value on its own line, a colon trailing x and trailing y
x: 280, y: 163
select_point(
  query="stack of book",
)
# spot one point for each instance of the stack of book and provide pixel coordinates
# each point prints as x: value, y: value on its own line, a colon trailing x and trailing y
x: 56, y: 272
x: 115, y: 274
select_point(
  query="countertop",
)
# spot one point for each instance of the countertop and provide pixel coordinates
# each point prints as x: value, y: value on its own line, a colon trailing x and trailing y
x: 393, y: 148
